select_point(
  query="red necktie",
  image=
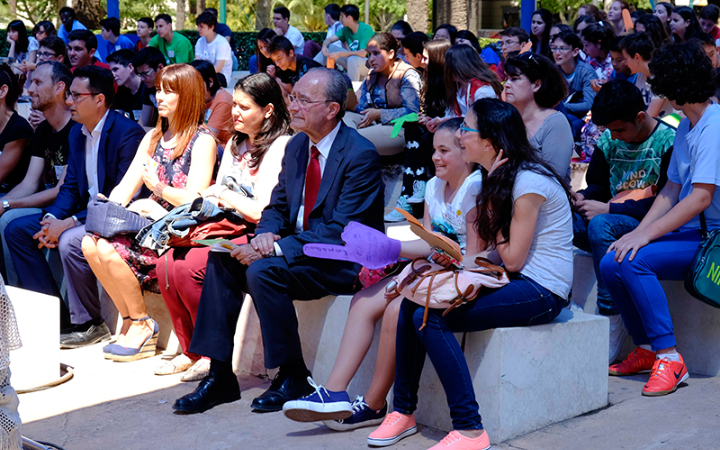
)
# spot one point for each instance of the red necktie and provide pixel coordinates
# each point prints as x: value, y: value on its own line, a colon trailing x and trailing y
x: 312, y: 185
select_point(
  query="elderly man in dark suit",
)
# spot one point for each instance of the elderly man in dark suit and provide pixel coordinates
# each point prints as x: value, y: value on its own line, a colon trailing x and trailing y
x: 330, y: 176
x: 101, y: 146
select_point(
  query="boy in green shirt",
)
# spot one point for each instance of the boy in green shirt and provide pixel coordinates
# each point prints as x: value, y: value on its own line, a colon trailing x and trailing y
x: 355, y: 36
x: 176, y: 47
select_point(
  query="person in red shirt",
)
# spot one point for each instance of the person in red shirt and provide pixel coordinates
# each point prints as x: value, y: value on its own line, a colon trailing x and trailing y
x: 708, y: 22
x: 144, y: 30
x: 81, y: 50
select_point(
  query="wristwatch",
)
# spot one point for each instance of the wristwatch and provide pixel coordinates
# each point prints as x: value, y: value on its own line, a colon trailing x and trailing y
x: 6, y: 205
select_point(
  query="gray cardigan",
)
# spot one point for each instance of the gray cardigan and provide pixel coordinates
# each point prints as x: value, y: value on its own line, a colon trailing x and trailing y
x: 579, y: 81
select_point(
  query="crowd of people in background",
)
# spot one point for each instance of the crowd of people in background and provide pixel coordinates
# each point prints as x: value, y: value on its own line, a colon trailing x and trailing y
x: 485, y: 138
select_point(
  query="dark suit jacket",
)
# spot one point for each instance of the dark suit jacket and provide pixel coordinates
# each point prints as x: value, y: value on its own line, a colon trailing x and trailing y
x: 351, y: 190
x: 119, y: 142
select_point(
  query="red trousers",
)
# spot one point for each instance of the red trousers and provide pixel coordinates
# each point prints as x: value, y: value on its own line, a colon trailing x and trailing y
x: 181, y: 272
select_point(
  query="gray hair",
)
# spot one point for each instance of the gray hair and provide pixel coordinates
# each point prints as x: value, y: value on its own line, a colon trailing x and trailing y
x: 336, y: 87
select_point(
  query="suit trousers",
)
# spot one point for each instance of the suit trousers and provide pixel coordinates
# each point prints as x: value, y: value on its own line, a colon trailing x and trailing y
x: 273, y: 285
x: 34, y: 272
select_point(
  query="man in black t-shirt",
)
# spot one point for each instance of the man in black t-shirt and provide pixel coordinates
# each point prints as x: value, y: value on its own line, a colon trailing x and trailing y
x: 288, y: 68
x: 128, y: 97
x: 147, y: 63
x: 46, y: 171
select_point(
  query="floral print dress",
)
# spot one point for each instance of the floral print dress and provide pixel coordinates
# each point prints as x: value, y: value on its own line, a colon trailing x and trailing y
x: 172, y: 172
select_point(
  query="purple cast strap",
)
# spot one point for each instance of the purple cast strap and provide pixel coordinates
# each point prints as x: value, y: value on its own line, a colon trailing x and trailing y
x: 363, y: 245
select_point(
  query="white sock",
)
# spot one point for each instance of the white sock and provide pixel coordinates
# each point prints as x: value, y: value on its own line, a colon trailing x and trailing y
x: 646, y: 347
x: 614, y: 320
x: 674, y: 356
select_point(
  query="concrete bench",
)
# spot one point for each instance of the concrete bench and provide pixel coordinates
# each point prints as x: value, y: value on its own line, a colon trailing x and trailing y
x: 525, y: 378
x: 697, y: 325
x: 37, y: 362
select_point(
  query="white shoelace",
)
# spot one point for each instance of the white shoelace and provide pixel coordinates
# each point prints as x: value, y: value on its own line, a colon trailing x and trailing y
x: 359, y: 404
x: 317, y: 388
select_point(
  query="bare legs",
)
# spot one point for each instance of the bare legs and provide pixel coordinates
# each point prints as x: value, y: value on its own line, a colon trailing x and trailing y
x: 367, y: 307
x: 122, y: 286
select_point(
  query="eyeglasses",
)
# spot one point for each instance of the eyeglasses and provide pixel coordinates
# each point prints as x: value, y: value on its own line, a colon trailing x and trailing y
x: 560, y: 49
x: 303, y: 103
x: 77, y: 95
x: 145, y: 74
x: 46, y: 54
x: 464, y: 129
x: 508, y: 43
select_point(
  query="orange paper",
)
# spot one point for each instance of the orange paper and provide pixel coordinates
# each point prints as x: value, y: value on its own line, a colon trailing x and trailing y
x: 627, y: 20
x: 434, y: 239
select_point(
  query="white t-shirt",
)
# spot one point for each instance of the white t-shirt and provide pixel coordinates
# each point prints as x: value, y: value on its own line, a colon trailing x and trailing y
x: 696, y: 159
x: 261, y: 180
x: 217, y: 50
x: 450, y: 219
x: 463, y: 96
x: 298, y: 41
x: 550, y: 259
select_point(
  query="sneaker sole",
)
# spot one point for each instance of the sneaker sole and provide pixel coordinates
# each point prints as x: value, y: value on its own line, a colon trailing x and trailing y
x: 302, y: 411
x: 661, y: 393
x: 621, y: 374
x: 102, y: 338
x: 333, y: 425
x: 393, y: 440
x: 232, y: 398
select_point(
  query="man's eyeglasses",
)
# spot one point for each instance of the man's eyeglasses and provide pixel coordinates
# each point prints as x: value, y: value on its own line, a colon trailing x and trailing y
x: 145, y: 74
x: 303, y: 103
x: 464, y: 129
x: 508, y: 43
x: 77, y: 95
x: 560, y: 49
x: 45, y: 54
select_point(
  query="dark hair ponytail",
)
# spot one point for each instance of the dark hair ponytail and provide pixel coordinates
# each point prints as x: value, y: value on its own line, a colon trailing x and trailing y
x: 9, y: 79
x: 503, y: 126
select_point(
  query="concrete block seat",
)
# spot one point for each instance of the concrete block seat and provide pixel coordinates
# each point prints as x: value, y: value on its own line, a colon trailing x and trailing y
x: 697, y: 325
x: 525, y: 378
x: 37, y: 362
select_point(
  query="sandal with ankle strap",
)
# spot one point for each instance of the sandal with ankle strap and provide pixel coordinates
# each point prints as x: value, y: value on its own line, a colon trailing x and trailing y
x: 146, y: 350
x: 108, y: 348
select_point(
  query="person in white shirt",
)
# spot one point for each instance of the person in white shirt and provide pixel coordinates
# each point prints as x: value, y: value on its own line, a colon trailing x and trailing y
x: 281, y: 20
x: 211, y: 49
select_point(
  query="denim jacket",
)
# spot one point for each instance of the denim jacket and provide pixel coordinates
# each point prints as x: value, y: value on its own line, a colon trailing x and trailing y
x: 177, y: 222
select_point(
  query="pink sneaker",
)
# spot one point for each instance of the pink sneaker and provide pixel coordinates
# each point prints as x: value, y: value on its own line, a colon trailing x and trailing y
x: 457, y: 441
x: 395, y: 427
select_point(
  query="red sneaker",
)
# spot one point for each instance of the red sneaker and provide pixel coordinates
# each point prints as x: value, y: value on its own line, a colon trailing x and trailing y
x: 639, y: 361
x: 665, y: 377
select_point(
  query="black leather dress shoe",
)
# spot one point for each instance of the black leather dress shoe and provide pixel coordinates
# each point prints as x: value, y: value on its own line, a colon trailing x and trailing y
x: 282, y: 389
x: 93, y: 335
x: 211, y: 391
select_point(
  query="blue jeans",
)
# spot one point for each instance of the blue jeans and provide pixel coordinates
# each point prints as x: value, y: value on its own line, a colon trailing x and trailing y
x: 520, y: 303
x: 596, y: 237
x: 635, y: 285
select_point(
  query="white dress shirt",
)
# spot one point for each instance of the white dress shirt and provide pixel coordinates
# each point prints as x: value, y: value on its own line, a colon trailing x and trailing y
x: 92, y: 146
x: 323, y: 147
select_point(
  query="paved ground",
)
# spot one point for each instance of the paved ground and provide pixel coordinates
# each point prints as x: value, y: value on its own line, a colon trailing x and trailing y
x: 124, y: 406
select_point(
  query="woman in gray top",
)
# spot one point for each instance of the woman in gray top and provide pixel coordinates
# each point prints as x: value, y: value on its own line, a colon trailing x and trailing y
x: 578, y: 75
x: 535, y: 86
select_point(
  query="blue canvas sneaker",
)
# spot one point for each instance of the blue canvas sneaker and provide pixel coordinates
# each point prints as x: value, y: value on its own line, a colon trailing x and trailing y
x: 362, y: 416
x: 320, y: 405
